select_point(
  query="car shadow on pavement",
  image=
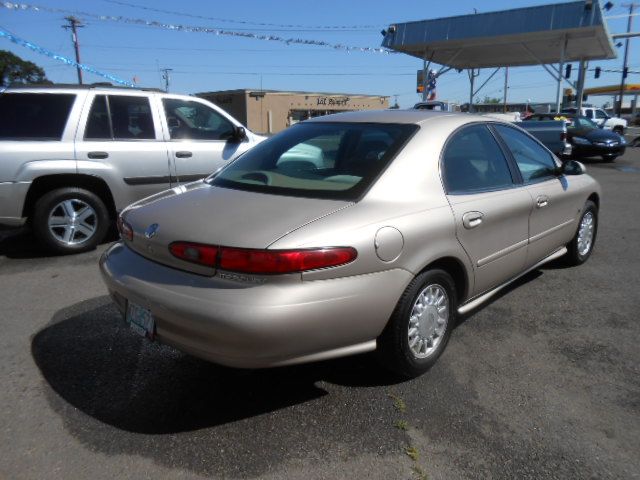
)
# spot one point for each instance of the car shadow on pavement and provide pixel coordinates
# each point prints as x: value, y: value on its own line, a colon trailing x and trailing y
x: 187, y: 413
x: 91, y: 358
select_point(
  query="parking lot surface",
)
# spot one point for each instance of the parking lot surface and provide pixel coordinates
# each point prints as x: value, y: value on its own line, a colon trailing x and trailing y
x: 543, y: 382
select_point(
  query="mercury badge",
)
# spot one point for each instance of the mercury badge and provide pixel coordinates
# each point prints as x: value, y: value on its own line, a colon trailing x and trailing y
x: 151, y: 230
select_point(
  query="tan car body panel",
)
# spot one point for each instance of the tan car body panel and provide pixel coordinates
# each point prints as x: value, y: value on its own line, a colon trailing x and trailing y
x: 404, y: 223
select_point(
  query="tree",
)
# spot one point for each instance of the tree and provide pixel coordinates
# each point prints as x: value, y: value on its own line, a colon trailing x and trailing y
x: 488, y: 99
x: 13, y: 69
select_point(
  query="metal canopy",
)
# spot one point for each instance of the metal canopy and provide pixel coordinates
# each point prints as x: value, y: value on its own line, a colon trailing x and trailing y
x: 523, y: 36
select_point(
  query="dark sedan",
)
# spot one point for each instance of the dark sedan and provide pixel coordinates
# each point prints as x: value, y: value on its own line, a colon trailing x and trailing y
x: 586, y: 138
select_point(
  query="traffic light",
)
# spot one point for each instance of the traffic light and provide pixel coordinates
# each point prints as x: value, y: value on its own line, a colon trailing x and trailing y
x: 598, y: 70
x: 567, y: 71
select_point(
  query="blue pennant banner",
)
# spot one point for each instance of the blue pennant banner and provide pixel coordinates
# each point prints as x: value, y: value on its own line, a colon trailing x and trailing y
x: 63, y: 59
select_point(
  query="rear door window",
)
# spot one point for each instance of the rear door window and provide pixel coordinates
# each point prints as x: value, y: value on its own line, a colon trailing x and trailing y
x: 34, y: 116
x: 120, y: 117
x: 473, y: 162
x: 535, y: 162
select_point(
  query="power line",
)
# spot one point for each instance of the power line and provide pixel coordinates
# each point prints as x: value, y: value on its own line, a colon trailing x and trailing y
x: 245, y: 22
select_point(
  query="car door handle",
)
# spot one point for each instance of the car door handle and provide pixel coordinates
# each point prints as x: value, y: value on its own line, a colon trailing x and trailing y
x: 542, y: 201
x: 472, y: 219
x: 183, y: 154
x: 98, y: 155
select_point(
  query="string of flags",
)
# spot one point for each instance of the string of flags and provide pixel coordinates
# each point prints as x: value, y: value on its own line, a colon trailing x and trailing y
x: 62, y: 58
x: 196, y: 29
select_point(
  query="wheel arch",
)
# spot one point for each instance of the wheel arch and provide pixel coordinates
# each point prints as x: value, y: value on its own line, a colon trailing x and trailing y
x: 595, y: 198
x: 46, y: 183
x: 456, y: 268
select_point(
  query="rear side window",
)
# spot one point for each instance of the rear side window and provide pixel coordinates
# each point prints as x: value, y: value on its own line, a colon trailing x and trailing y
x: 473, y: 162
x: 120, y: 117
x: 534, y: 161
x: 34, y: 116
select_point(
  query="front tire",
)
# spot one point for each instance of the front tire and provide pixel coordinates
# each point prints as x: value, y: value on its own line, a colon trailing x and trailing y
x: 580, y: 248
x: 70, y: 220
x: 420, y: 326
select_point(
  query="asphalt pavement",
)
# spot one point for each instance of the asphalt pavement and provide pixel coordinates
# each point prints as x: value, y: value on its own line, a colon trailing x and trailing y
x: 541, y: 383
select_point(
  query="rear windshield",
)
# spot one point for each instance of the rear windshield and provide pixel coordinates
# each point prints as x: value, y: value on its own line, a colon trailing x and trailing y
x: 317, y: 160
x: 34, y: 116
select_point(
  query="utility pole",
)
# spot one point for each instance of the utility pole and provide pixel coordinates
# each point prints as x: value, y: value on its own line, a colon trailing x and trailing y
x: 74, y: 24
x: 631, y: 6
x: 165, y: 77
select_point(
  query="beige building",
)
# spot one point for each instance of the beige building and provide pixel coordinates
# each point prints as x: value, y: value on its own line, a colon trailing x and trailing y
x: 269, y: 111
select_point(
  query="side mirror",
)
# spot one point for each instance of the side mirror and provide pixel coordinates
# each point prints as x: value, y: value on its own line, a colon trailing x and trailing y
x: 239, y: 134
x: 573, y: 167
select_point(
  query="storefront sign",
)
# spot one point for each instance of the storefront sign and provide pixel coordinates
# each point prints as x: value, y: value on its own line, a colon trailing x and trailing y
x: 338, y: 102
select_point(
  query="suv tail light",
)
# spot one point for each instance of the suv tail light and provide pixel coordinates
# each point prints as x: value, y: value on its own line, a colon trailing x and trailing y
x: 250, y: 260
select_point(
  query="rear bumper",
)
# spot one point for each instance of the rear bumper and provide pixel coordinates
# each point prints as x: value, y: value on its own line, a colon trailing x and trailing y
x: 254, y: 326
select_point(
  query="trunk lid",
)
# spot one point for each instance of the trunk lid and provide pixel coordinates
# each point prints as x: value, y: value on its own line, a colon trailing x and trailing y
x: 202, y: 213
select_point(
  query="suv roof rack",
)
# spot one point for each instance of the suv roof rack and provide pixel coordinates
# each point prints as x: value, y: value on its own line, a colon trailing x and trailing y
x: 82, y: 87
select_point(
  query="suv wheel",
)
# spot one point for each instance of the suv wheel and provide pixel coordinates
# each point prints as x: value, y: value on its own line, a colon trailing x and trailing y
x: 70, y: 220
x: 420, y: 325
x: 580, y: 248
x: 619, y: 130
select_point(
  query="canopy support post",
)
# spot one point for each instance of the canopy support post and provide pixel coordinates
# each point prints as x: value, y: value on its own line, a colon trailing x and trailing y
x: 582, y: 73
x: 560, y: 67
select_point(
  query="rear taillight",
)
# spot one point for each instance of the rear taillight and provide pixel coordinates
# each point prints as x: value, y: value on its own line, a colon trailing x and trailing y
x: 283, y: 261
x: 249, y: 260
x: 195, y: 253
x: 125, y: 230
x: 563, y: 136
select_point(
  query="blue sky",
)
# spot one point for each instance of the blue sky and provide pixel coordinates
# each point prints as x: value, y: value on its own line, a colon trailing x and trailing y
x: 207, y: 62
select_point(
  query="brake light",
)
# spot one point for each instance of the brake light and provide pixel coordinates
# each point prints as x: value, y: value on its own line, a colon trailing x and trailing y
x: 125, y: 230
x: 250, y: 260
x: 195, y: 253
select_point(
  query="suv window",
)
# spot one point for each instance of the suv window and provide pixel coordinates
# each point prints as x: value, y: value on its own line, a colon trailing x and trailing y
x: 473, y: 162
x: 534, y: 161
x: 34, y: 116
x: 194, y: 120
x: 120, y: 117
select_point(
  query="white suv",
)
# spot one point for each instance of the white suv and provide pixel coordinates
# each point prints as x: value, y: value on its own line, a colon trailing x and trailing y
x: 72, y: 157
x: 601, y: 118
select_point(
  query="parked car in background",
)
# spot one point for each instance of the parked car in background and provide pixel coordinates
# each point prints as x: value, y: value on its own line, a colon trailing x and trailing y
x: 437, y: 105
x: 72, y: 157
x: 601, y: 118
x: 552, y: 133
x: 401, y: 220
x: 586, y: 138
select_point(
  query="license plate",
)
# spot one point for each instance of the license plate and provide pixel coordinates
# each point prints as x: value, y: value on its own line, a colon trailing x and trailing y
x: 140, y: 320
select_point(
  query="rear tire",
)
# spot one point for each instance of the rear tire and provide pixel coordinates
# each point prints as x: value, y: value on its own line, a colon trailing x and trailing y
x: 619, y: 130
x: 420, y: 326
x: 70, y: 220
x: 580, y: 248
